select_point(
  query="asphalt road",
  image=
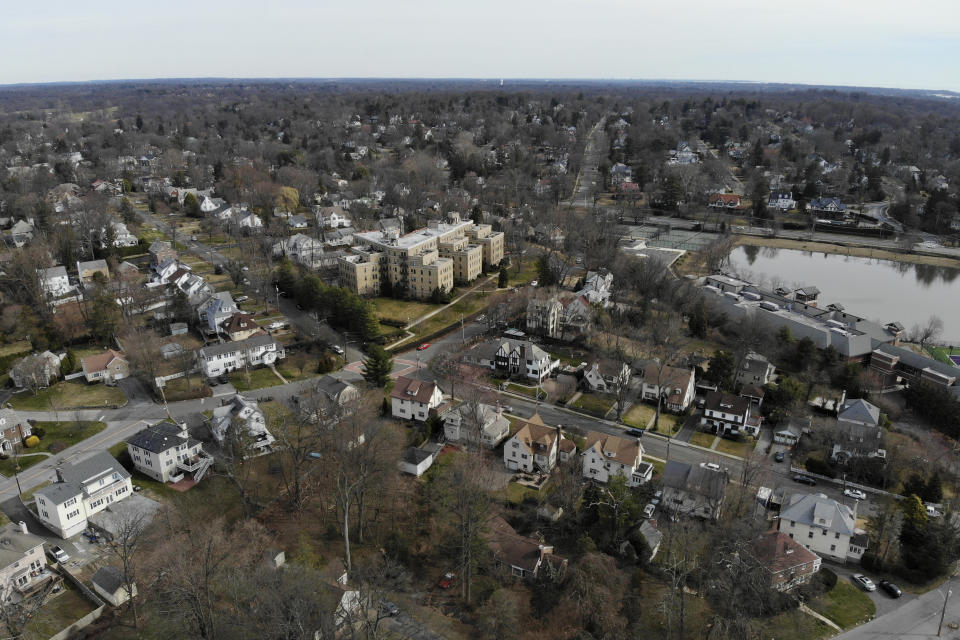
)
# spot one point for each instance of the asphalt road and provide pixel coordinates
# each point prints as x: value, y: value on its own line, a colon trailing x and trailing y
x: 916, y: 618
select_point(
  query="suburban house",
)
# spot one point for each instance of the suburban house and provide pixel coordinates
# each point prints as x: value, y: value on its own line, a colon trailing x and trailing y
x: 216, y: 309
x: 831, y: 206
x: 82, y: 489
x: 694, y: 490
x: 108, y: 367
x: 674, y: 384
x: 724, y: 201
x: 726, y: 414
x: 240, y: 326
x: 823, y: 526
x: 519, y: 358
x: 335, y: 390
x: 165, y: 452
x: 109, y: 584
x: 217, y: 359
x: 756, y: 370
x: 21, y: 233
x: 788, y: 435
x: 122, y: 236
x: 858, y: 433
x: 597, y: 288
x: 470, y: 420
x: 782, y: 200
x: 524, y: 556
x: 413, y: 399
x: 87, y: 270
x: 160, y: 252
x: 332, y: 217
x: 607, y: 376
x: 297, y: 222
x: 239, y: 412
x: 14, y: 429
x: 301, y: 249
x: 605, y: 456
x: 788, y: 562
x: 55, y: 281
x: 534, y: 448
x: 543, y: 315
x: 35, y: 371
x: 23, y: 567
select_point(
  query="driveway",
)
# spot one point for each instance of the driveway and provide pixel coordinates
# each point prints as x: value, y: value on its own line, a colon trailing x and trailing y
x: 884, y: 603
x: 917, y: 618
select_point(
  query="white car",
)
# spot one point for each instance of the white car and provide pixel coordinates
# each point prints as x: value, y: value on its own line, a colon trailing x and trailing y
x: 856, y: 494
x: 273, y: 326
x: 534, y: 283
x: 865, y: 582
x: 337, y: 349
x: 648, y: 510
x: 58, y: 554
x: 242, y: 298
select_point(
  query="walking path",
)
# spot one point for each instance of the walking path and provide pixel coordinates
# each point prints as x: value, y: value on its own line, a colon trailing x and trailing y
x: 277, y: 373
x: 825, y: 620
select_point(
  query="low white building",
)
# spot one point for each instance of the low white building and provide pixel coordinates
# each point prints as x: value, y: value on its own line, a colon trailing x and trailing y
x: 605, y: 456
x: 824, y: 526
x: 165, y: 452
x: 416, y: 461
x: 464, y: 423
x: 122, y: 236
x: 413, y: 399
x: 81, y: 490
x: 109, y: 584
x: 239, y: 412
x: 218, y: 359
x: 55, y: 281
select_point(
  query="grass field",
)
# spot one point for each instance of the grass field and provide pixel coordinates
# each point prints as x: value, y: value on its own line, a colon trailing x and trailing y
x: 669, y: 423
x: 517, y: 492
x: 259, y: 378
x: 524, y: 391
x: 58, y: 613
x: 21, y: 346
x: 527, y: 273
x: 941, y: 353
x: 26, y: 461
x: 401, y: 310
x: 184, y: 388
x: 740, y: 449
x: 702, y: 439
x: 597, y: 405
x: 845, y: 604
x: 66, y: 433
x: 639, y: 415
x: 68, y: 395
x: 795, y: 625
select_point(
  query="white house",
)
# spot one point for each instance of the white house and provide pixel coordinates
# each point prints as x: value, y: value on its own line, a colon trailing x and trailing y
x: 514, y: 358
x: 237, y: 412
x: 55, y: 281
x: 332, y: 217
x: 165, y: 452
x: 122, y: 236
x: 216, y: 309
x: 535, y: 447
x: 109, y: 584
x: 824, y: 526
x: 607, y: 376
x: 756, y: 370
x: 81, y: 490
x: 597, y: 288
x: 416, y: 461
x: 217, y: 359
x: 23, y: 567
x: 302, y: 249
x: 605, y: 456
x: 781, y: 200
x: 247, y: 220
x: 726, y: 413
x: 676, y: 386
x: 464, y: 423
x: 412, y: 399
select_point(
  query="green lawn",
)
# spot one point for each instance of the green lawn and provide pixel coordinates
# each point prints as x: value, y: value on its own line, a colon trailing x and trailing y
x: 21, y: 346
x: 639, y: 415
x: 669, y: 423
x: 259, y: 378
x: 517, y: 492
x: 941, y: 353
x: 26, y: 461
x: 795, y: 625
x: 527, y: 272
x: 68, y: 395
x: 702, y: 439
x: 401, y: 310
x: 739, y: 449
x: 596, y: 404
x: 58, y: 613
x: 845, y: 604
x: 66, y: 433
x: 522, y: 390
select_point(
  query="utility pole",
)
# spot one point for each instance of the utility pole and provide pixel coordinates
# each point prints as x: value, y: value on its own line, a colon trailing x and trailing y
x: 943, y: 613
x: 462, y: 334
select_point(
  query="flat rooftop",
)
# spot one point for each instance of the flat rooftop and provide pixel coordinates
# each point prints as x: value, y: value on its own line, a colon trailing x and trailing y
x: 413, y: 238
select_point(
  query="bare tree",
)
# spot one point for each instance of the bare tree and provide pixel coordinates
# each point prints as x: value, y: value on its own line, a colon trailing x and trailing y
x: 927, y: 332
x: 125, y: 547
x: 142, y: 347
x: 664, y: 338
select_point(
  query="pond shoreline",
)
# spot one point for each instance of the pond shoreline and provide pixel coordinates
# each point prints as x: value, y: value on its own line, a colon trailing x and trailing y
x: 847, y: 250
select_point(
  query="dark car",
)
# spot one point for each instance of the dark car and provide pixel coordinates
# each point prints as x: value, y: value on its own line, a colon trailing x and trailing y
x: 807, y: 480
x: 636, y: 433
x: 779, y: 456
x: 892, y: 589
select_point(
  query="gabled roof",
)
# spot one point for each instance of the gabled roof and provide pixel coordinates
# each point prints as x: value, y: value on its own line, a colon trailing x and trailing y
x: 700, y: 480
x: 55, y: 272
x: 727, y: 403
x: 14, y: 543
x: 158, y: 438
x: 779, y: 552
x: 534, y: 433
x: 626, y: 451
x: 512, y: 548
x: 100, y: 361
x: 110, y: 579
x: 413, y: 390
x: 818, y: 510
x: 240, y: 322
x: 240, y: 345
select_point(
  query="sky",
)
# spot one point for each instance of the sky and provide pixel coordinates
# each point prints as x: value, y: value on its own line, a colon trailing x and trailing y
x: 881, y: 43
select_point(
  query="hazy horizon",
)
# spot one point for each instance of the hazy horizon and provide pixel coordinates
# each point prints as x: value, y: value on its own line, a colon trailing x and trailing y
x: 852, y: 44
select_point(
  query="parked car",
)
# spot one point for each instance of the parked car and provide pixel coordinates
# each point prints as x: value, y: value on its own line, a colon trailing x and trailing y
x: 648, y: 510
x: 856, y: 494
x: 636, y: 433
x: 481, y: 318
x: 892, y: 589
x: 657, y: 497
x: 273, y: 326
x: 534, y: 283
x: 864, y: 582
x: 447, y: 580
x: 779, y: 456
x: 422, y: 347
x: 337, y: 349
x: 58, y: 554
x: 242, y: 298
x: 807, y: 480
x: 389, y: 608
x: 932, y: 512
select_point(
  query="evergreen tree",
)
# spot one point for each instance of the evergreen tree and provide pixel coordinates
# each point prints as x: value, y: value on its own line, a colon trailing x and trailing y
x: 191, y: 206
x: 504, y: 278
x: 698, y: 320
x: 377, y: 366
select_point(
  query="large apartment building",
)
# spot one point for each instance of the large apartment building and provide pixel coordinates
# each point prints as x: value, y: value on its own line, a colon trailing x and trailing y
x: 423, y: 261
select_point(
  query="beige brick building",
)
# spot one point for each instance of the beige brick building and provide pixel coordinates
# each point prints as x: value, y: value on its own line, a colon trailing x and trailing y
x: 420, y: 262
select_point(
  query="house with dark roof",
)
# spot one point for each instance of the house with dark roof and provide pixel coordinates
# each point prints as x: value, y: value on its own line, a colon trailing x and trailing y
x: 240, y: 326
x: 240, y: 419
x: 82, y: 489
x: 525, y: 557
x: 823, y: 526
x: 726, y: 414
x: 413, y: 399
x: 857, y: 433
x: 519, y: 358
x: 782, y: 200
x: 161, y: 251
x: 605, y: 456
x: 416, y: 461
x: 694, y: 490
x: 788, y: 562
x: 755, y: 370
x: 109, y: 584
x: 166, y: 452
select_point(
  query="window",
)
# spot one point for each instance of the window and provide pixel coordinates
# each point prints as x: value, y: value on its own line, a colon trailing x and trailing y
x: 837, y: 535
x: 833, y: 547
x: 824, y: 532
x: 810, y: 534
x: 793, y: 523
x: 45, y: 514
x: 73, y: 514
x: 70, y: 502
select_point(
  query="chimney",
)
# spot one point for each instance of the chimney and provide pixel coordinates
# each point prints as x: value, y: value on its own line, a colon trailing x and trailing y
x: 23, y: 527
x: 60, y: 475
x: 184, y: 432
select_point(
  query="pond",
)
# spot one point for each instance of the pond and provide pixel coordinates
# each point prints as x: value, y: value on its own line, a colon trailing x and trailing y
x: 880, y: 290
